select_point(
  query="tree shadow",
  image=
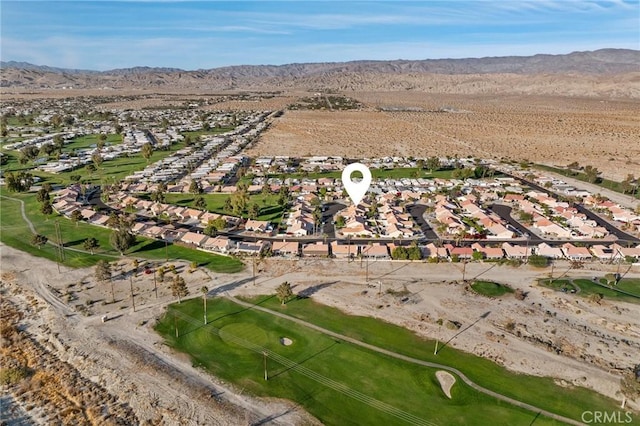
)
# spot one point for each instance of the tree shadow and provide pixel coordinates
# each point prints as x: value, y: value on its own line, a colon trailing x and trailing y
x: 310, y: 291
x: 73, y: 243
x: 152, y: 245
x: 483, y: 316
x: 228, y: 287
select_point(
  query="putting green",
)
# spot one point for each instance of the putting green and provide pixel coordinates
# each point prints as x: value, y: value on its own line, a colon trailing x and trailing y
x: 246, y: 331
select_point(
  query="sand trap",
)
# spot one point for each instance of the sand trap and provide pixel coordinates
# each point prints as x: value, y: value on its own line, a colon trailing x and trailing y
x: 446, y: 382
x: 286, y: 341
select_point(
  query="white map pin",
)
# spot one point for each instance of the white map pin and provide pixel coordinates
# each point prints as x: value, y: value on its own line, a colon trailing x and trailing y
x: 356, y: 190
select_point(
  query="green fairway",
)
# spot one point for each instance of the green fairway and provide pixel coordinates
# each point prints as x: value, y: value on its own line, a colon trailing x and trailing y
x: 397, y: 173
x: 586, y: 287
x: 342, y: 383
x: 268, y: 204
x: 630, y: 285
x: 89, y: 141
x: 16, y: 233
x: 214, y: 131
x: 109, y: 171
x: 490, y: 289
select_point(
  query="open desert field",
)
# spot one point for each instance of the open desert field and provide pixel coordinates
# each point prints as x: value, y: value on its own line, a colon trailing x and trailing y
x: 545, y: 129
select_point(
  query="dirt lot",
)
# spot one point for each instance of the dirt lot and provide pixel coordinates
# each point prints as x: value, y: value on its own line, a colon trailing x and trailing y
x: 547, y: 129
x: 549, y: 333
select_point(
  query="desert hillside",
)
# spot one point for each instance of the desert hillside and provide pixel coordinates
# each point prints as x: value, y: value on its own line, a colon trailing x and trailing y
x: 611, y: 73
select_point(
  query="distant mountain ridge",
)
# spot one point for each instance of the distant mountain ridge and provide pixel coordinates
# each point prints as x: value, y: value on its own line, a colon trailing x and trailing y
x: 354, y: 75
x: 598, y: 61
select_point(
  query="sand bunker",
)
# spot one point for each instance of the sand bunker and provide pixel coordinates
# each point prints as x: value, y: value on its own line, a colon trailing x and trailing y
x: 286, y: 341
x: 446, y: 382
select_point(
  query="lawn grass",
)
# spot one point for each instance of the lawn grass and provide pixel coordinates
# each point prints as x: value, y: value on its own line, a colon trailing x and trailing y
x: 88, y: 141
x: 109, y: 172
x: 16, y: 233
x: 268, y: 203
x: 490, y: 289
x: 213, y: 131
x: 632, y: 285
x: 405, y: 386
x: 397, y: 173
x: 605, y: 183
x: 587, y: 288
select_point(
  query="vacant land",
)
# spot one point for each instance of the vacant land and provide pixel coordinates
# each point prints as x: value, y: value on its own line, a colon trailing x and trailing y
x: 545, y: 129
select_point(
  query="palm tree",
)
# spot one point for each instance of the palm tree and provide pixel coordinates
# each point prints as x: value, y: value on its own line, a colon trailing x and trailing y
x: 204, y: 289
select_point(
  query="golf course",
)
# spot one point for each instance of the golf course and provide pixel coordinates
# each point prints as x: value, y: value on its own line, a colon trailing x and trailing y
x: 357, y: 370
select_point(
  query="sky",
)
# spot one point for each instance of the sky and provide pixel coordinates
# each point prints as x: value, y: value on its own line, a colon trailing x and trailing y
x: 103, y: 35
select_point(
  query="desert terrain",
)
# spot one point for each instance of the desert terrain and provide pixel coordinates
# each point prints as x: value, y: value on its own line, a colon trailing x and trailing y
x: 549, y: 333
x: 552, y: 130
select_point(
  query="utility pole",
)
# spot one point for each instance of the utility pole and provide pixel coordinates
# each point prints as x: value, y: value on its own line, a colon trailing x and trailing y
x: 367, y: 276
x: 59, y: 247
x: 133, y: 300
x: 155, y: 284
x: 464, y: 268
x: 266, y: 376
x: 254, y: 271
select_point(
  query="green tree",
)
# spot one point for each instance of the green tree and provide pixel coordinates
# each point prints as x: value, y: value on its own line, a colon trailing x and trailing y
x: 254, y: 211
x: 103, y: 273
x: 340, y: 222
x: 195, y: 187
x: 42, y: 195
x: 400, y: 253
x: 76, y: 216
x: 477, y: 255
x: 228, y: 205
x: 39, y: 240
x: 538, y: 261
x: 147, y: 151
x: 284, y: 292
x: 157, y: 196
x: 591, y: 173
x: 433, y: 163
x: 121, y: 240
x: 200, y: 203
x: 97, y: 159
x: 90, y: 244
x: 179, y: 287
x: 46, y: 208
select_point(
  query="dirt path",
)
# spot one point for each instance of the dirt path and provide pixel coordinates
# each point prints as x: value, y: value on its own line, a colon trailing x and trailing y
x: 127, y: 357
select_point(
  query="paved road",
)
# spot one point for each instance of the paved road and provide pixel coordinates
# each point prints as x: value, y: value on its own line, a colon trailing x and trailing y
x: 411, y: 360
x: 505, y: 213
x: 417, y: 212
x: 621, y: 235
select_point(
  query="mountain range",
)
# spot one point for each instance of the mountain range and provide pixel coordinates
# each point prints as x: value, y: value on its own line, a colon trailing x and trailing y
x: 354, y: 75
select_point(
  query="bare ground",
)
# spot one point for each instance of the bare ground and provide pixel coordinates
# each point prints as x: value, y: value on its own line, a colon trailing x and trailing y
x: 557, y: 130
x: 547, y: 334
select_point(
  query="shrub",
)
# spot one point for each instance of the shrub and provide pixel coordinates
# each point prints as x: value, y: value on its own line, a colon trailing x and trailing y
x: 538, y: 261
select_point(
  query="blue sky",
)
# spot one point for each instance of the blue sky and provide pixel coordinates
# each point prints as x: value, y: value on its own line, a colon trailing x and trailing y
x: 103, y: 35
